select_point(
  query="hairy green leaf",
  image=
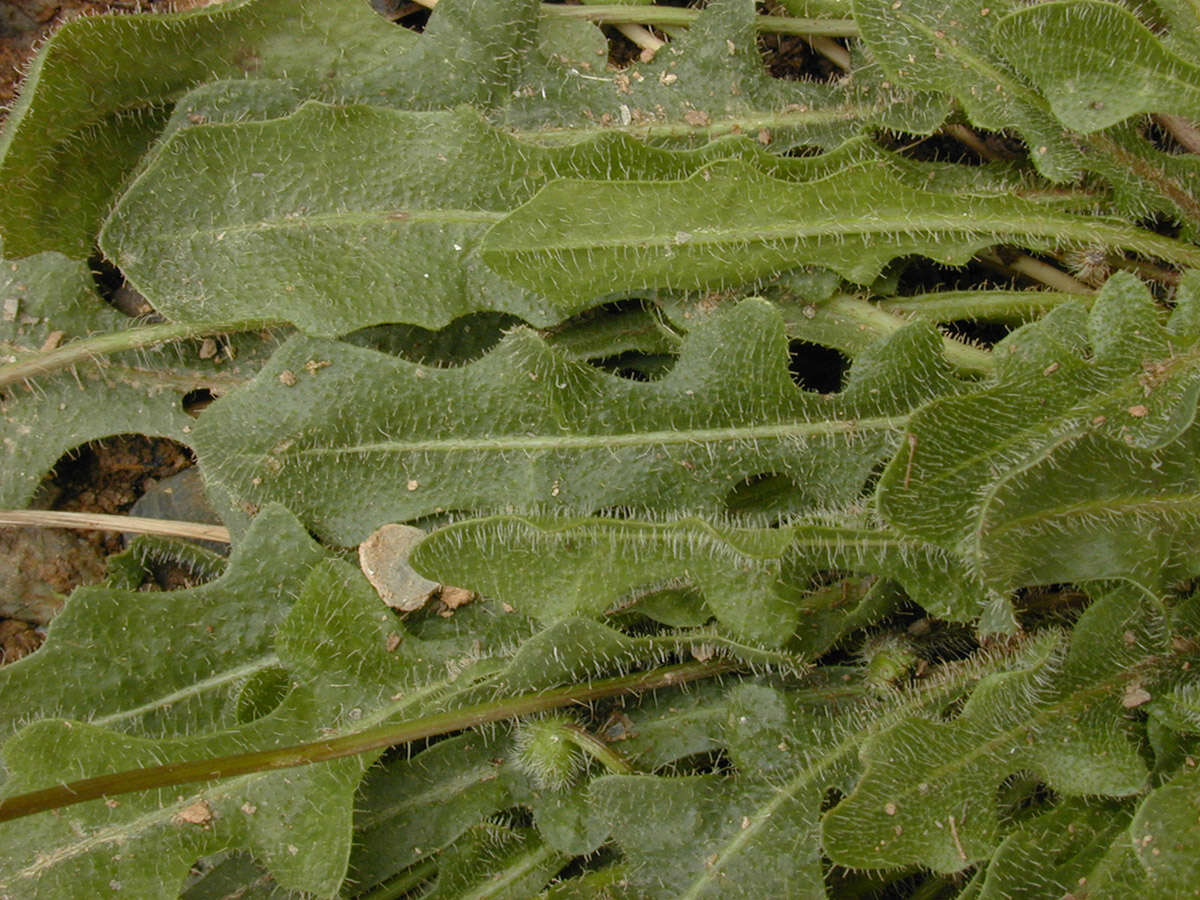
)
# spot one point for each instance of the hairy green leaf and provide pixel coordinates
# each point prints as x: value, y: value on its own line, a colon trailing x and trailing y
x: 952, y: 47
x: 706, y: 814
x: 729, y: 224
x: 1165, y: 835
x: 101, y: 89
x: 106, y: 661
x: 1065, y: 49
x: 525, y: 428
x: 413, y: 808
x: 1060, y: 851
x: 282, y: 230
x: 1077, y: 463
x: 706, y: 82
x: 929, y: 792
x: 332, y: 643
x: 755, y: 581
x: 48, y: 298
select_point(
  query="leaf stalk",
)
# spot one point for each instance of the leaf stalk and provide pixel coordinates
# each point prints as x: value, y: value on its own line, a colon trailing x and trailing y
x: 378, y: 738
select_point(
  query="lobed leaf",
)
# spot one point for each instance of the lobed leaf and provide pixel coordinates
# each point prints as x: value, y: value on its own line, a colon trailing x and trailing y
x: 730, y: 224
x: 952, y: 47
x: 162, y: 832
x: 1164, y: 834
x: 107, y: 661
x: 1012, y: 470
x: 282, y: 230
x: 526, y: 428
x: 929, y: 792
x: 1070, y: 846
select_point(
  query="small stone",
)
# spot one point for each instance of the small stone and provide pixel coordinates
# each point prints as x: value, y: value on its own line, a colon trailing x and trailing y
x: 1135, y: 696
x: 383, y: 558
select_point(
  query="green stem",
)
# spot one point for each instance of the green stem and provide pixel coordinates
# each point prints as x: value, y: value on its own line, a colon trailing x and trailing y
x: 598, y: 750
x: 404, y: 882
x: 90, y: 348
x: 962, y: 355
x: 377, y: 738
x: 1031, y: 267
x: 1001, y: 306
x: 852, y: 324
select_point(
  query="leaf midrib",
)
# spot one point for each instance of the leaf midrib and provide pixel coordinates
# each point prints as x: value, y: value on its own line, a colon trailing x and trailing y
x: 510, y: 443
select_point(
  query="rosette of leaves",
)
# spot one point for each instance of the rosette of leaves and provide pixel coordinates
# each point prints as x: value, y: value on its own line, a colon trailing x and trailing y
x: 563, y: 314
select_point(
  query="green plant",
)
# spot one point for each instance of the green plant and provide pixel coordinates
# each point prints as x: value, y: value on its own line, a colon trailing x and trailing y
x: 926, y: 631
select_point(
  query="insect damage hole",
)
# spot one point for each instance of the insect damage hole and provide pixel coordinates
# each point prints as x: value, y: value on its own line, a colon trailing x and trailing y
x: 817, y: 368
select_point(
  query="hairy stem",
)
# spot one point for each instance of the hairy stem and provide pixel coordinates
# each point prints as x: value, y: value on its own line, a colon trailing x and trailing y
x: 1186, y: 134
x: 641, y: 36
x: 377, y: 738
x: 614, y: 762
x: 404, y: 882
x: 90, y: 348
x: 1024, y: 264
x: 1000, y: 306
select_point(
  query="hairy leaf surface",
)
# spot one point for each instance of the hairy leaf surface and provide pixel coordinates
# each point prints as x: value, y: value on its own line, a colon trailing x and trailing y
x: 162, y: 832
x: 102, y: 88
x: 1065, y: 49
x: 1014, y: 470
x: 952, y: 47
x: 928, y: 794
x: 106, y: 661
x: 525, y: 428
x: 49, y: 301
x: 282, y: 229
x: 730, y: 224
x: 1056, y: 852
x: 754, y: 580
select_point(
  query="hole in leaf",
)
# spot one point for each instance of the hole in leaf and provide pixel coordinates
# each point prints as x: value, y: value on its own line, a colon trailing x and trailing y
x: 791, y: 58
x: 406, y: 14
x: 920, y: 275
x: 956, y: 143
x: 984, y: 334
x: 636, y: 366
x: 115, y: 291
x: 817, y: 368
x: 109, y: 475
x: 942, y: 642
x: 1050, y: 604
x: 831, y: 799
x: 952, y: 710
x: 195, y: 401
x: 464, y: 340
x: 262, y: 693
x: 1022, y: 796
x: 1160, y: 224
x: 1162, y: 139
